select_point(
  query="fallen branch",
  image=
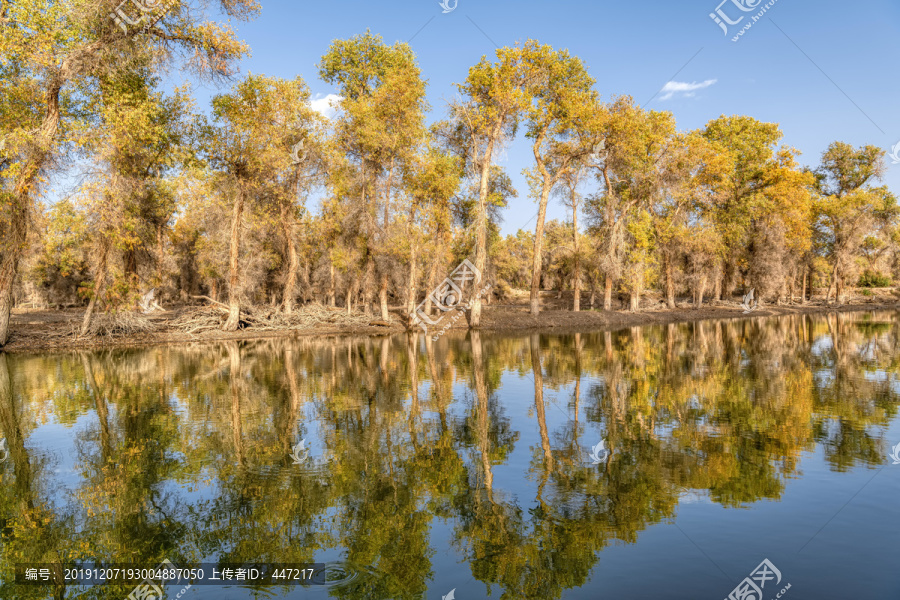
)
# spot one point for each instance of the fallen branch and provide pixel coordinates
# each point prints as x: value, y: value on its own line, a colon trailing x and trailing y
x: 207, y: 298
x: 259, y: 318
x: 121, y: 324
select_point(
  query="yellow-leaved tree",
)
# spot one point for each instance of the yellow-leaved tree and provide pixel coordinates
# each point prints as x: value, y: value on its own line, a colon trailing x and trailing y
x: 56, y: 52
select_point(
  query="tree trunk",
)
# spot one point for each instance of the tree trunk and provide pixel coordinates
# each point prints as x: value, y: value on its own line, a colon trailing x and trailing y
x: 483, y: 413
x: 13, y: 240
x: 832, y: 283
x: 537, y: 371
x: 701, y: 289
x: 99, y: 283
x: 670, y: 282
x: 576, y: 283
x: 234, y: 379
x: 383, y: 297
x: 129, y: 261
x: 432, y: 274
x: 161, y: 253
x: 537, y: 259
x: 306, y: 288
x: 292, y: 409
x: 234, y: 305
x: 728, y: 277
x: 803, y: 289
x: 12, y: 245
x: 607, y: 293
x: 411, y: 289
x: 368, y: 282
x: 21, y: 479
x: 331, y: 298
x: 287, y: 225
x: 481, y: 222
x: 839, y: 289
x: 351, y: 291
x: 8, y: 268
x: 576, y: 301
x: 635, y: 300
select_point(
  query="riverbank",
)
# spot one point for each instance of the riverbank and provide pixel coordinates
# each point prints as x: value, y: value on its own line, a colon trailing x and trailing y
x: 50, y: 330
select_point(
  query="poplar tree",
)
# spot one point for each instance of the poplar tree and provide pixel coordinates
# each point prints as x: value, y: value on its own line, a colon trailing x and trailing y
x: 380, y: 127
x: 57, y: 51
x: 249, y: 147
x: 849, y: 206
x: 493, y: 98
x: 562, y: 123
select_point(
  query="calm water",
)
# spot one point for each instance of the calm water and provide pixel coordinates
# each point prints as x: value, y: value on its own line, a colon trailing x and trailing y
x: 472, y: 463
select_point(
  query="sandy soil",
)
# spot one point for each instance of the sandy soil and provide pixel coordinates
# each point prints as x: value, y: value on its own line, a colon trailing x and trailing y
x: 43, y: 330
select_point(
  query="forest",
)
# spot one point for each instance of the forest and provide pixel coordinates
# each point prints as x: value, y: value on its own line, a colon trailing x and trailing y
x: 260, y: 200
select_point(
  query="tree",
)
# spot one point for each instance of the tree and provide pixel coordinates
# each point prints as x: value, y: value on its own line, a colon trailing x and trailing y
x: 380, y: 129
x: 848, y: 206
x: 563, y: 122
x: 573, y: 198
x: 136, y: 141
x: 494, y: 95
x: 752, y: 145
x: 249, y: 147
x: 56, y: 57
x: 309, y: 170
x: 781, y: 234
x: 632, y: 176
x: 684, y: 233
x: 431, y: 182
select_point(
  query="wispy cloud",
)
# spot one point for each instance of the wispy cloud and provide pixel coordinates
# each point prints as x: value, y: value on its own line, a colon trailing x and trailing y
x: 683, y: 88
x: 327, y: 106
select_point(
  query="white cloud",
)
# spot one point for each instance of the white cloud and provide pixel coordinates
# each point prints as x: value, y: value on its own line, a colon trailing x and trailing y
x: 685, y: 89
x: 327, y: 106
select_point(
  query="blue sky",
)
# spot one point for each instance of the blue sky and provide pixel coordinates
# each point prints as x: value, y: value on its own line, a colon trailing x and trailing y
x: 824, y: 71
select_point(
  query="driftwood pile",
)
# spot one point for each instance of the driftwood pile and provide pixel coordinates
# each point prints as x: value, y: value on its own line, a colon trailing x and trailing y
x: 260, y: 318
x: 121, y: 324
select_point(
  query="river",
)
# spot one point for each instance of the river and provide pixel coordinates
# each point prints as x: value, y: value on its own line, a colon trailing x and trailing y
x: 676, y: 461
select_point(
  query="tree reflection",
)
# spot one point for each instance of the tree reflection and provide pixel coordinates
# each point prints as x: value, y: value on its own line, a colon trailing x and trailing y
x: 184, y: 453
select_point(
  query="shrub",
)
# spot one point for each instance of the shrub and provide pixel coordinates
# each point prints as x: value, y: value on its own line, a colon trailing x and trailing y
x: 871, y: 279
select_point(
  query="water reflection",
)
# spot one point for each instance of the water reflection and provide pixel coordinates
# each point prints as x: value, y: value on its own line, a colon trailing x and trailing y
x: 472, y: 452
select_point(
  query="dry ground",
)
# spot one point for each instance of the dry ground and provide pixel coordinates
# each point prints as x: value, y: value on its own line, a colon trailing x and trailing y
x: 33, y: 330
